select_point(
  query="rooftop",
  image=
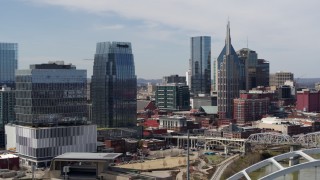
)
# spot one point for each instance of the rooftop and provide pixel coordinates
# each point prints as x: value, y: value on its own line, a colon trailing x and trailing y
x: 88, y: 156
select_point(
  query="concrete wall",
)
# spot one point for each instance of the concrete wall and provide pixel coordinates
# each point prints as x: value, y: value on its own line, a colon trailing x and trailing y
x: 10, y: 131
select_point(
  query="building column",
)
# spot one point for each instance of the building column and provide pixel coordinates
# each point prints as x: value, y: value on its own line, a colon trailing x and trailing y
x: 226, y: 150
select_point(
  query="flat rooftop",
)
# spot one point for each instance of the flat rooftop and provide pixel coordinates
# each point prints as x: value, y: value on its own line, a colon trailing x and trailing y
x: 88, y: 156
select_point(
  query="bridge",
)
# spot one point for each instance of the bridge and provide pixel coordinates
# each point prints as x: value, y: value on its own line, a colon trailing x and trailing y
x: 209, y: 142
x: 310, y: 140
x: 293, y: 156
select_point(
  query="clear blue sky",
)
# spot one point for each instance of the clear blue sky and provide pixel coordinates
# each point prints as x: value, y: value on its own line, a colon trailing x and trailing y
x: 285, y: 32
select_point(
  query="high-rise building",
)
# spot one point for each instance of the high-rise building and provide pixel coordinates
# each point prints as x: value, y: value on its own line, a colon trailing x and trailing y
x: 7, y: 115
x: 114, y: 85
x: 200, y: 65
x: 279, y: 78
x: 51, y: 113
x: 8, y: 63
x: 262, y: 73
x: 231, y: 78
x: 173, y: 97
x: 51, y: 94
x: 250, y: 60
x: 256, y: 70
x: 173, y: 79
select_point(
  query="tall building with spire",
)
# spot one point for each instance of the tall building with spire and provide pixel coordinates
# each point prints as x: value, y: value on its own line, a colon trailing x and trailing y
x: 200, y: 65
x: 114, y: 85
x: 230, y: 77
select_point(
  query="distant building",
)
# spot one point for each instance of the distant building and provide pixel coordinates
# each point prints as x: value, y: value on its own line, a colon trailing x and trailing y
x: 173, y: 97
x: 200, y: 65
x: 197, y: 102
x: 231, y: 78
x: 250, y: 59
x: 8, y: 63
x: 114, y: 85
x: 7, y: 114
x: 174, y: 79
x: 284, y: 92
x: 308, y: 100
x: 263, y: 73
x: 151, y: 88
x: 173, y: 123
x: 247, y: 109
x: 285, y: 126
x: 279, y: 78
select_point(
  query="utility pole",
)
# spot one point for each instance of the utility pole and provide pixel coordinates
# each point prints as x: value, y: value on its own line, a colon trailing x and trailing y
x: 188, y: 165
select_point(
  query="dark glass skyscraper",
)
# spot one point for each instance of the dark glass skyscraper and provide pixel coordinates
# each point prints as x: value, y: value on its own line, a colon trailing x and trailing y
x: 114, y: 85
x: 8, y: 63
x: 200, y: 65
x: 231, y: 78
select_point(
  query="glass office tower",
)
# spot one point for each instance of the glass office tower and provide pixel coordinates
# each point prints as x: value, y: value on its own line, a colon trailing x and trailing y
x: 200, y: 65
x: 8, y: 63
x: 51, y: 94
x: 114, y: 85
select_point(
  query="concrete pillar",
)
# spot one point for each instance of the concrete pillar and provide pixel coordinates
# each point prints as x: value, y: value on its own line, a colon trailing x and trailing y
x: 178, y: 143
x: 226, y: 150
x: 294, y: 160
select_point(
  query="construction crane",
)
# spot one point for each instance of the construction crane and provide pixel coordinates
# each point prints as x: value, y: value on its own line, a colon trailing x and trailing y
x: 88, y: 59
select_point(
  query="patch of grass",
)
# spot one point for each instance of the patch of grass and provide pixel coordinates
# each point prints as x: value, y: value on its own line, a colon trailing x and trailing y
x: 214, y: 159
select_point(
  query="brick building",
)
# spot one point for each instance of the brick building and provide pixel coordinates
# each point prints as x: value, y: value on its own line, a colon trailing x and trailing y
x: 246, y: 108
x: 308, y: 100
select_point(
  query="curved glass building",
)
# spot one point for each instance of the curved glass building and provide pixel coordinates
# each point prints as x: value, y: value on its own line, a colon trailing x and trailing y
x: 114, y: 85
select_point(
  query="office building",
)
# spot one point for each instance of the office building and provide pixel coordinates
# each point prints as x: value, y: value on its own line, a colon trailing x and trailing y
x: 250, y: 59
x: 114, y: 85
x: 256, y: 70
x: 279, y: 78
x: 247, y: 108
x: 231, y: 78
x: 174, y: 79
x: 8, y: 63
x: 262, y: 73
x: 200, y: 65
x: 51, y: 113
x: 7, y: 115
x: 51, y: 94
x: 173, y: 97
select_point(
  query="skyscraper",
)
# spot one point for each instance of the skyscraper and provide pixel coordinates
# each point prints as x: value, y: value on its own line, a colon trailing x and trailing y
x: 250, y: 60
x: 256, y: 70
x: 114, y: 85
x: 200, y: 65
x: 231, y: 78
x: 8, y: 63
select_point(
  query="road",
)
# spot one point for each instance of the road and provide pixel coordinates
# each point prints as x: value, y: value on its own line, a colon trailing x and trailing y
x: 222, y: 166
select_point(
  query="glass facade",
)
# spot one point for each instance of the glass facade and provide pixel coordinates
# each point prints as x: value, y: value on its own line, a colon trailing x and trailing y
x: 51, y: 94
x: 114, y: 85
x: 7, y: 115
x: 200, y: 65
x: 8, y: 63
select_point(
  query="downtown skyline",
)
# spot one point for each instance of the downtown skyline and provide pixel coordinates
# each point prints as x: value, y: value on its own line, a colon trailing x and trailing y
x: 284, y: 33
